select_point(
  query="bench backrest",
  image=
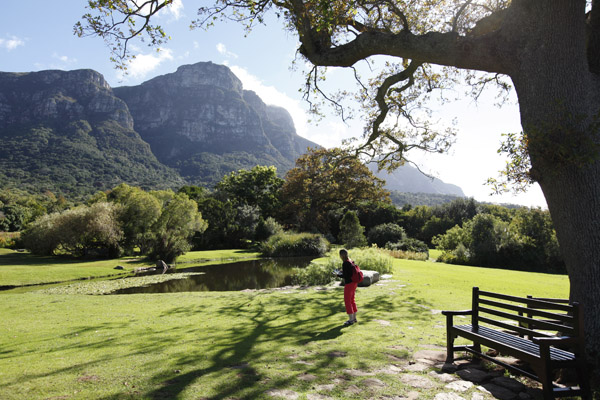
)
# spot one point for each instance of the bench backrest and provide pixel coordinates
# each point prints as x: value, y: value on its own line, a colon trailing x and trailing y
x: 526, y: 316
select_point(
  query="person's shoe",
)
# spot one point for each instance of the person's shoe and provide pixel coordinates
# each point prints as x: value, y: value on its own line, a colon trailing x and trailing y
x: 348, y: 323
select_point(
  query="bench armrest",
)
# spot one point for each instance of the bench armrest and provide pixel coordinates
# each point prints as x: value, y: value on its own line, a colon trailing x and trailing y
x: 556, y: 341
x: 463, y: 312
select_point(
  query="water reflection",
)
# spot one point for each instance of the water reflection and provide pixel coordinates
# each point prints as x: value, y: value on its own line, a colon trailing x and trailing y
x: 255, y: 274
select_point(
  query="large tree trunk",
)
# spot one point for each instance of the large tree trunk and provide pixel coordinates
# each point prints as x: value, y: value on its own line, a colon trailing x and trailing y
x: 559, y: 102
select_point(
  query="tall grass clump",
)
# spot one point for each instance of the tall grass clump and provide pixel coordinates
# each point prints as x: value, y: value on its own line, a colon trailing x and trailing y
x: 295, y: 245
x: 313, y: 275
x: 8, y: 239
x: 372, y: 259
x: 408, y: 255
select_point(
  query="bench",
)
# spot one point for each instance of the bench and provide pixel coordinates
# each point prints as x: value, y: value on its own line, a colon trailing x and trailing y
x: 525, y: 328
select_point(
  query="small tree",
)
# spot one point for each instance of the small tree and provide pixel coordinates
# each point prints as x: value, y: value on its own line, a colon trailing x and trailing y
x: 386, y: 233
x: 351, y: 231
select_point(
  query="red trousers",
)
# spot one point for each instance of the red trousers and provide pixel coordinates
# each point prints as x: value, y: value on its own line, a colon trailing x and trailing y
x: 349, y: 291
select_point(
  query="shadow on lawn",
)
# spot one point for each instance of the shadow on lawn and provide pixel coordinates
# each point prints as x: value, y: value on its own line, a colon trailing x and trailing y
x: 238, y: 346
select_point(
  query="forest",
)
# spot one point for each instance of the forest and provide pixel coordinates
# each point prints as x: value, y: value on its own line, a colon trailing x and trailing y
x: 345, y: 205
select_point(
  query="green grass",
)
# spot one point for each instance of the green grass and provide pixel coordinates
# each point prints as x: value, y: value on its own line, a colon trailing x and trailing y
x: 233, y: 345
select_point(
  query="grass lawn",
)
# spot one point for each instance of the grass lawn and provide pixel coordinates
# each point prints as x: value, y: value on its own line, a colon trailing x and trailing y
x: 233, y: 345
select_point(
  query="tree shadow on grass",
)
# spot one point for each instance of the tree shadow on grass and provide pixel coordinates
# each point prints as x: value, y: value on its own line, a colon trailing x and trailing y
x: 265, y: 329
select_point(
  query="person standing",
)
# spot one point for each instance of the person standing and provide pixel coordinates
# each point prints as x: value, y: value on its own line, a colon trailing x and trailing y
x: 349, y: 287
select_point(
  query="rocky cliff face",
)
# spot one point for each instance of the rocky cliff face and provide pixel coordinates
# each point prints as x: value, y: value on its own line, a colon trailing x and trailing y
x: 200, y: 116
x: 53, y: 96
x: 65, y: 131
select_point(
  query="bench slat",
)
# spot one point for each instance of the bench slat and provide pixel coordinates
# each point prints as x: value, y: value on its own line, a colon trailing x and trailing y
x: 550, y: 305
x: 529, y: 311
x: 539, y: 324
x: 515, y: 328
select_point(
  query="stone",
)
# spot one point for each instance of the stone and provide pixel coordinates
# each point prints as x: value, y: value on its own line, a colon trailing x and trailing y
x: 389, y: 370
x: 119, y: 267
x: 448, y: 396
x: 382, y: 322
x: 473, y: 375
x: 443, y: 376
x: 500, y: 392
x: 417, y: 381
x: 357, y: 372
x: 369, y: 278
x: 373, y: 382
x: 283, y: 393
x: 477, y: 396
x: 510, y: 384
x: 353, y: 389
x: 307, y: 377
x: 313, y: 396
x: 325, y: 388
x: 337, y: 354
x: 459, y: 386
x: 418, y: 367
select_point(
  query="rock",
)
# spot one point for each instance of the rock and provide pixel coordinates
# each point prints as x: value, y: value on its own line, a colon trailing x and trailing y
x: 373, y: 382
x: 382, y: 322
x: 448, y: 396
x: 369, y: 278
x: 418, y: 367
x: 119, y: 267
x: 500, y: 392
x: 510, y: 384
x: 459, y: 386
x: 443, y: 377
x: 417, y: 381
x: 357, y: 372
x: 325, y: 388
x: 313, y: 396
x: 307, y: 377
x: 473, y: 375
x: 286, y: 394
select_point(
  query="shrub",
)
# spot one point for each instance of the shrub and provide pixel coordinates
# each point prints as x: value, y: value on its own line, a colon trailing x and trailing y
x: 267, y: 228
x: 410, y: 245
x: 409, y: 255
x: 351, y: 231
x: 313, y: 275
x: 372, y: 259
x: 8, y: 239
x: 386, y: 233
x: 295, y: 244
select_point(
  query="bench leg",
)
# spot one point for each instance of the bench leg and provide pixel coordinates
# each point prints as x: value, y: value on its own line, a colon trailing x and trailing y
x: 449, y: 347
x: 584, y: 381
x: 545, y: 373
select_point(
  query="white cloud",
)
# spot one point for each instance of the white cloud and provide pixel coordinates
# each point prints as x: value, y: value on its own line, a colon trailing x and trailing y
x: 12, y: 43
x: 175, y: 9
x: 270, y: 95
x: 64, y: 59
x: 143, y: 64
x: 223, y: 51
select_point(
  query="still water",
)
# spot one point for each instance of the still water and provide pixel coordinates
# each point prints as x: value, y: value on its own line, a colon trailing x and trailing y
x: 255, y: 274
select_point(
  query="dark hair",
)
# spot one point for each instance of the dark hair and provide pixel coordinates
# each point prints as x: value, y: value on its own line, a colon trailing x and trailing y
x: 344, y: 253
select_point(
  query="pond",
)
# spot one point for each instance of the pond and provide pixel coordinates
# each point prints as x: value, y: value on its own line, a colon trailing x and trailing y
x: 240, y: 275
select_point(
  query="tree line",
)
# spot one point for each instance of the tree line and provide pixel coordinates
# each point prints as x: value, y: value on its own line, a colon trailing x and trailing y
x: 328, y: 193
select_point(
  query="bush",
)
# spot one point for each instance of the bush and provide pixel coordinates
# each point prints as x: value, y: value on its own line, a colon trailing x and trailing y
x: 410, y: 245
x: 351, y: 231
x: 313, y: 275
x: 294, y: 245
x: 372, y: 259
x: 386, y: 233
x: 408, y: 255
x: 267, y: 228
x: 8, y: 239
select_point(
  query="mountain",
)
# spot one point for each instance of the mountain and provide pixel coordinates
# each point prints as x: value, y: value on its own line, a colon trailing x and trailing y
x: 200, y: 121
x: 408, y: 179
x: 66, y: 132
x: 70, y: 132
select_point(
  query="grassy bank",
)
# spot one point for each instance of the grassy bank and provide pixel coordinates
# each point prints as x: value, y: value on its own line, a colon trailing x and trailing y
x: 237, y: 344
x: 19, y: 269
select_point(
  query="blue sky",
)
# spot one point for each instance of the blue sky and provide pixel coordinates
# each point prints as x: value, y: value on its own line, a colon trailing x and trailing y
x: 38, y: 34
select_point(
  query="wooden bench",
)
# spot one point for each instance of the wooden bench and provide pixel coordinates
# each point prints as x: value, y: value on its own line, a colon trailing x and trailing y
x: 525, y: 328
